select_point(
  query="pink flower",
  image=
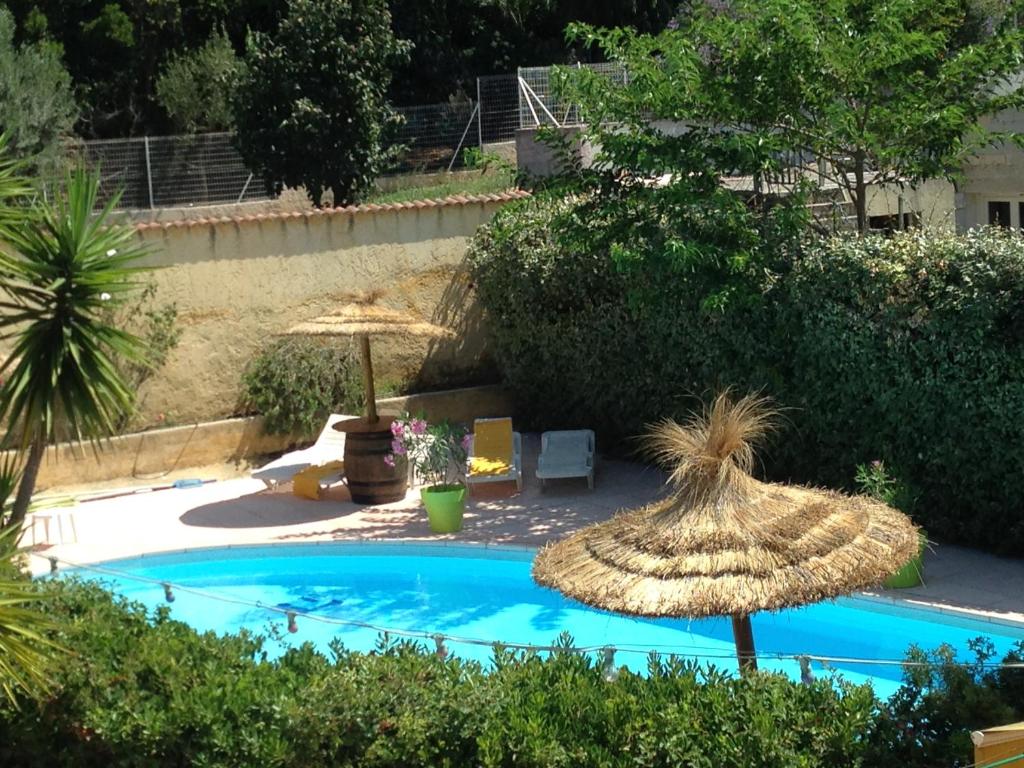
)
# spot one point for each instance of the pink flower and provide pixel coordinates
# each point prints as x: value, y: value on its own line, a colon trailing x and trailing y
x: 396, y: 428
x: 466, y: 440
x: 418, y: 426
x: 876, y: 464
x: 389, y: 460
x: 397, y: 447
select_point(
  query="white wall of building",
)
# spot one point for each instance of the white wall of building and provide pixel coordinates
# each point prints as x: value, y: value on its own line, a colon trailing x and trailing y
x: 996, y: 175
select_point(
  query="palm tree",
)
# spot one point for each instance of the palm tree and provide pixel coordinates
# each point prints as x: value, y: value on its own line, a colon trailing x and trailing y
x: 13, y: 185
x: 26, y: 653
x: 61, y: 270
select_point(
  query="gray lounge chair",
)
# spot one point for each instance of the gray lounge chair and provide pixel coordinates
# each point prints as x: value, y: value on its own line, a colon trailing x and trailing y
x: 567, y: 453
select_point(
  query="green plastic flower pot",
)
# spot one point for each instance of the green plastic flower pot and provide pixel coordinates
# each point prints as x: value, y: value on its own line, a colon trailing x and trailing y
x: 910, y: 574
x: 445, y: 505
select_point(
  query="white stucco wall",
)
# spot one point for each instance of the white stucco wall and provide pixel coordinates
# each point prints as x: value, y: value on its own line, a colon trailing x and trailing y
x: 997, y: 173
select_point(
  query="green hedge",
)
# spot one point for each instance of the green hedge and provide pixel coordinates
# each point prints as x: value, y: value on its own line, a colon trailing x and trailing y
x: 909, y: 350
x: 135, y: 692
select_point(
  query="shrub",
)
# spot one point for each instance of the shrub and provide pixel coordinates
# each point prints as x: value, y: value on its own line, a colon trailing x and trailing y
x: 141, y: 690
x: 908, y: 350
x: 195, y: 87
x: 296, y: 382
x: 141, y: 693
x: 928, y: 722
x: 312, y: 109
x: 37, y: 100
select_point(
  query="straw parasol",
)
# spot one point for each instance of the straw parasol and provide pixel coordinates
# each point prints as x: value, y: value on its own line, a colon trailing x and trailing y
x: 362, y: 319
x: 723, y: 543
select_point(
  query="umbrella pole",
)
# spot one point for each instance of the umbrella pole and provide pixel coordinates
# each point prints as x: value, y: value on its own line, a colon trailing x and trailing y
x: 369, y: 392
x: 743, y: 634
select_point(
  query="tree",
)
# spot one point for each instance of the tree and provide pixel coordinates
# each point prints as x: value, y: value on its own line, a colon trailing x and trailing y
x: 883, y: 91
x: 456, y: 41
x: 26, y: 654
x: 195, y: 86
x: 37, y: 106
x: 61, y: 268
x: 116, y: 49
x: 312, y: 110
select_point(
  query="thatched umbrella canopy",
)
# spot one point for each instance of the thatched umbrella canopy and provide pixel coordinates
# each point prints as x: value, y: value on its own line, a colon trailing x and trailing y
x: 724, y: 543
x: 362, y: 320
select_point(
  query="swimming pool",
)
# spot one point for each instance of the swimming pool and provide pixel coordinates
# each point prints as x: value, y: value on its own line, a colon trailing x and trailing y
x: 486, y: 593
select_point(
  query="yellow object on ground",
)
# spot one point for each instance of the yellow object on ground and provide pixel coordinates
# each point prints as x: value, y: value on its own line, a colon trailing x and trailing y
x: 307, y: 482
x: 492, y: 447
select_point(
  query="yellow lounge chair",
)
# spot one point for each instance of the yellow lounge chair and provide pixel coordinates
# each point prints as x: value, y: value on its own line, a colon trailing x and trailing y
x: 311, y: 481
x: 495, y: 453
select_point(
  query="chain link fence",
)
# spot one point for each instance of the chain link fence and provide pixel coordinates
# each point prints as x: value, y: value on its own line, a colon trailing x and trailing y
x: 539, y: 101
x: 206, y: 169
x: 498, y: 96
x: 170, y: 171
x: 432, y: 136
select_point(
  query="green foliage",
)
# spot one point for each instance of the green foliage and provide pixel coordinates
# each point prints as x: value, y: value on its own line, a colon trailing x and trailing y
x: 160, y: 694
x: 437, y: 452
x: 296, y: 382
x: 156, y: 326
x: 456, y: 41
x: 37, y: 106
x: 874, y: 480
x: 566, y: 711
x: 475, y: 158
x: 26, y: 654
x: 312, y: 110
x: 906, y: 349
x: 881, y: 90
x: 15, y: 188
x: 929, y: 720
x: 149, y: 691
x: 10, y: 476
x: 195, y: 87
x: 115, y: 50
x: 445, y: 186
x: 61, y: 270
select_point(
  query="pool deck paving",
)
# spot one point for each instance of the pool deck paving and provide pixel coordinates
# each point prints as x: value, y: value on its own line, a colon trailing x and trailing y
x: 241, y: 511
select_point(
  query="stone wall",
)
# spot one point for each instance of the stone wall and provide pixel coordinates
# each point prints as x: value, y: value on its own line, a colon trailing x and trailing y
x: 239, y: 281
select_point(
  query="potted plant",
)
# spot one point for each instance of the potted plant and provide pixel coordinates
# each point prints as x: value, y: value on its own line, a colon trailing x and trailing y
x: 437, y: 454
x: 875, y: 480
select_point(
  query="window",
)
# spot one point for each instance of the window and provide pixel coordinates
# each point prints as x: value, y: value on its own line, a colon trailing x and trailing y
x: 999, y: 212
x: 1020, y: 215
x: 891, y: 223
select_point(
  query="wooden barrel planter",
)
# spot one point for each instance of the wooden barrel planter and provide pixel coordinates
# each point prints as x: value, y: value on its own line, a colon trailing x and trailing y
x: 369, y: 479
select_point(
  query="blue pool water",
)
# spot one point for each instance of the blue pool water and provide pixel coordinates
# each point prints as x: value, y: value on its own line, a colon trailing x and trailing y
x: 487, y: 593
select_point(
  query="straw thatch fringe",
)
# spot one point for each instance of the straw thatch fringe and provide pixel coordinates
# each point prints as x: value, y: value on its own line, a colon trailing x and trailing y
x: 366, y: 318
x: 723, y: 542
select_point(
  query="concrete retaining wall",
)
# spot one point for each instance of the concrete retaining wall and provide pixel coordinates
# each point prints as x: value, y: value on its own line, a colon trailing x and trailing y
x: 148, y: 455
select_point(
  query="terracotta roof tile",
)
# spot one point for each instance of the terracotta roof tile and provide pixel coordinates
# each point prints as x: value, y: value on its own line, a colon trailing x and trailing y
x: 500, y: 197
